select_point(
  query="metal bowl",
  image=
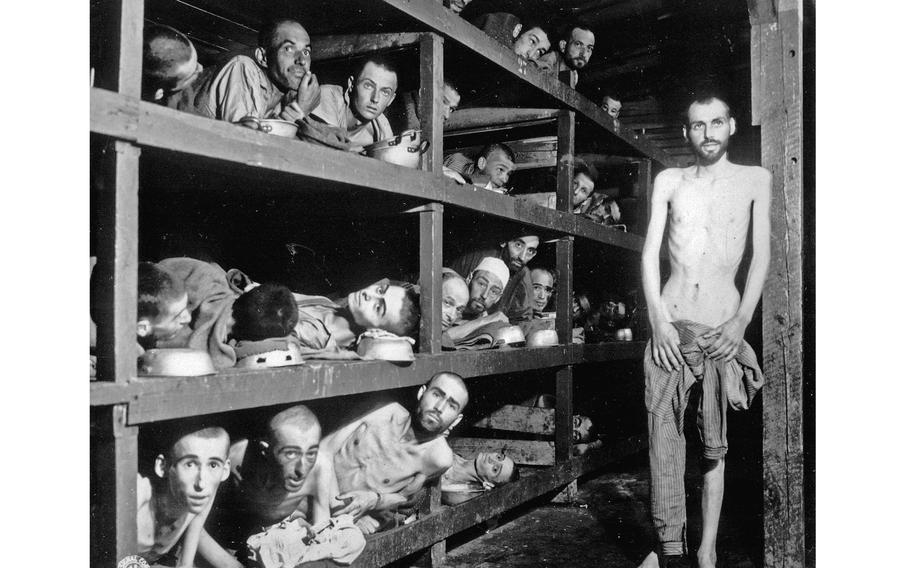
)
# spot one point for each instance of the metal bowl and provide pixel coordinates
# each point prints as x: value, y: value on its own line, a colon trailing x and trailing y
x: 403, y: 150
x: 274, y: 126
x: 386, y: 348
x: 543, y: 338
x: 177, y: 362
x: 510, y: 335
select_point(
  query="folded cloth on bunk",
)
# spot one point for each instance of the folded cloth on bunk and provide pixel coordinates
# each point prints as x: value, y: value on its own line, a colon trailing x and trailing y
x: 211, y: 298
x: 312, y: 130
x: 289, y: 543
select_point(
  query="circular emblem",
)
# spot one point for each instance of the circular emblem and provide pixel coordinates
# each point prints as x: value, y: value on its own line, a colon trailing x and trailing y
x: 133, y: 561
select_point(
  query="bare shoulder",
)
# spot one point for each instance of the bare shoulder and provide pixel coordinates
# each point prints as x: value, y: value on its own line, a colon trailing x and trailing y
x: 757, y: 179
x: 667, y: 181
x: 441, y: 456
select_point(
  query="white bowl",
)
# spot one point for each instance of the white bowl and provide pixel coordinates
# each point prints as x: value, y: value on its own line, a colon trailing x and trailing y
x: 511, y: 335
x: 386, y: 348
x: 543, y: 338
x: 176, y: 362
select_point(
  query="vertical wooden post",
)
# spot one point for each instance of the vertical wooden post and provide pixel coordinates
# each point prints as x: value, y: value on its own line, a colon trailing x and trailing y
x: 113, y: 486
x: 120, y: 68
x: 564, y: 414
x: 643, y: 187
x: 777, y: 106
x: 436, y: 554
x: 565, y: 151
x: 431, y: 278
x: 430, y: 104
x: 564, y: 286
x: 118, y: 260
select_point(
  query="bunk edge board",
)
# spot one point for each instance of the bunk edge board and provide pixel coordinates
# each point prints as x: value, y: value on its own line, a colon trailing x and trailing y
x: 164, y: 398
x: 440, y: 20
x: 147, y: 124
x: 389, y: 546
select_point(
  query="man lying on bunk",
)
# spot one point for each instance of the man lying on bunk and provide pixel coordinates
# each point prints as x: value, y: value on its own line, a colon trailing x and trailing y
x: 574, y: 51
x: 174, y: 501
x: 275, y: 82
x: 485, y: 285
x: 455, y: 296
x: 699, y: 319
x: 491, y: 169
x: 358, y: 107
x: 326, y: 325
x: 170, y: 67
x: 372, y: 465
x: 517, y: 302
x: 612, y: 104
x: 543, y: 282
x: 487, y: 469
x: 585, y: 176
x: 528, y: 41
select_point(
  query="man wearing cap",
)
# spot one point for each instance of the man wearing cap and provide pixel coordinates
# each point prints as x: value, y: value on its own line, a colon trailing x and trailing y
x: 485, y: 286
x: 517, y: 302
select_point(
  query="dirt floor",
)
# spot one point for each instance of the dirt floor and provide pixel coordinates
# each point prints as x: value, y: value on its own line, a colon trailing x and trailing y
x: 609, y: 525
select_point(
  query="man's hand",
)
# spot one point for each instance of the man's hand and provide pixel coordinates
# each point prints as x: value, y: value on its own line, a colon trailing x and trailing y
x: 665, y: 346
x: 357, y: 503
x: 300, y: 517
x: 367, y: 525
x: 308, y: 93
x: 729, y: 339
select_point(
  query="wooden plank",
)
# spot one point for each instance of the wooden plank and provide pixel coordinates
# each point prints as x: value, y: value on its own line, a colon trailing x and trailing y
x: 780, y: 114
x: 118, y: 258
x: 516, y: 418
x: 389, y: 546
x: 430, y: 103
x: 564, y: 414
x: 120, y: 67
x: 524, y: 452
x: 114, y: 462
x: 431, y: 279
x: 565, y: 285
x: 488, y: 117
x: 339, y: 46
x: 643, y: 188
x: 463, y: 33
x: 183, y: 133
x: 565, y: 149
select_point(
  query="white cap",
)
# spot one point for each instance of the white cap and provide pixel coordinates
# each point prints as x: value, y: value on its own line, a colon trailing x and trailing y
x: 494, y: 266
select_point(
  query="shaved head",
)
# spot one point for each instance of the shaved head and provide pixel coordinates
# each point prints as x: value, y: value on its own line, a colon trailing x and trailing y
x: 299, y: 416
x: 452, y: 379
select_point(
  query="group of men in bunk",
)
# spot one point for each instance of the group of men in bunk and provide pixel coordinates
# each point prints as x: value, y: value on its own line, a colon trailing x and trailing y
x: 294, y: 494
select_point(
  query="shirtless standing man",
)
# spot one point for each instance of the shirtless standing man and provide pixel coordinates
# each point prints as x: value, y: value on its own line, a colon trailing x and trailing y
x: 699, y: 317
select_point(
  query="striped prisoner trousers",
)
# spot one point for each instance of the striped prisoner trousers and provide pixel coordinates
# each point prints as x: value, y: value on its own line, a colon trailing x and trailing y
x: 666, y: 397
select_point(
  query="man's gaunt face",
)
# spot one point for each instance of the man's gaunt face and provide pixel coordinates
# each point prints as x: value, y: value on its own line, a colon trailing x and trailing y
x: 441, y: 403
x: 495, y: 467
x: 709, y: 130
x: 542, y: 283
x: 577, y: 52
x: 485, y: 290
x: 531, y: 44
x: 377, y: 306
x: 455, y: 297
x: 498, y: 166
x: 612, y: 106
x: 582, y: 186
x: 521, y: 251
x: 294, y: 452
x: 195, y: 468
x: 450, y: 101
x: 372, y: 91
x: 288, y: 56
x: 174, y: 318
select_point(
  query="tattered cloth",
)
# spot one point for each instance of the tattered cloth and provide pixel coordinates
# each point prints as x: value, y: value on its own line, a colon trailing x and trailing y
x: 288, y: 543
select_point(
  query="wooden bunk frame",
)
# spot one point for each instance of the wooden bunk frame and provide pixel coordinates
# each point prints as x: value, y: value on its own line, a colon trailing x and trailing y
x: 120, y: 401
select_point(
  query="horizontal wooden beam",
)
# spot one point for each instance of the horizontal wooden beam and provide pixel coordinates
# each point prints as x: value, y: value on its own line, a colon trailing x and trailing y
x: 339, y: 46
x: 386, y: 547
x: 517, y: 418
x: 488, y: 117
x: 523, y: 452
x: 183, y: 133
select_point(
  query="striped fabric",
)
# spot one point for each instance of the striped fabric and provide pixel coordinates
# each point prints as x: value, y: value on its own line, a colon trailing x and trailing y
x: 666, y: 396
x: 459, y: 162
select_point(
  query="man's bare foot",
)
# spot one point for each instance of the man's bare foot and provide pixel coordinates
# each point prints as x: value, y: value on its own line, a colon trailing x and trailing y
x: 650, y: 561
x: 707, y: 559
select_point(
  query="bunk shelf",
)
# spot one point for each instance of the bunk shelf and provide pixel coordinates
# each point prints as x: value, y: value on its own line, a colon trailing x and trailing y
x: 440, y: 20
x: 148, y: 124
x: 391, y: 545
x: 153, y: 399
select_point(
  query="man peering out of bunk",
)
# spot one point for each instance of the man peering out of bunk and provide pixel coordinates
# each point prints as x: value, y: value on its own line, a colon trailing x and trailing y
x: 388, y: 305
x: 358, y: 107
x: 585, y: 177
x: 375, y: 463
x: 161, y: 306
x: 275, y: 82
x: 404, y: 113
x: 174, y: 501
x: 517, y: 302
x: 455, y: 296
x: 264, y: 322
x: 491, y: 169
x: 699, y: 318
x: 487, y: 469
x: 529, y: 41
x: 170, y: 67
x: 485, y: 286
x: 543, y: 282
x: 574, y: 51
x: 612, y: 104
